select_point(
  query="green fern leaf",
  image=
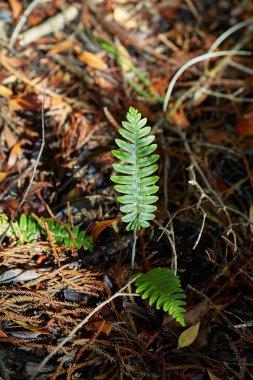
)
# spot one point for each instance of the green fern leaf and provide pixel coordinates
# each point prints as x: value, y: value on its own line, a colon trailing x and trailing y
x: 27, y: 230
x: 137, y: 167
x: 162, y: 287
x: 61, y: 236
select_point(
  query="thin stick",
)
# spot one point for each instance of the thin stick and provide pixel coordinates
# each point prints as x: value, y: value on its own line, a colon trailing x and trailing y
x: 34, y: 168
x: 49, y: 26
x: 80, y: 325
x: 22, y: 21
x: 228, y: 33
x: 169, y: 231
x: 221, y: 95
x: 241, y: 67
x: 201, y: 229
x: 193, y: 62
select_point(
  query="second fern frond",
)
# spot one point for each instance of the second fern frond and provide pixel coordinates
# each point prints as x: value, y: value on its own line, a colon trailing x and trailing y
x: 163, y: 288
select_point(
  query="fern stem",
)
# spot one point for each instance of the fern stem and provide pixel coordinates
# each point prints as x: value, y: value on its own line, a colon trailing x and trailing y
x: 134, y: 245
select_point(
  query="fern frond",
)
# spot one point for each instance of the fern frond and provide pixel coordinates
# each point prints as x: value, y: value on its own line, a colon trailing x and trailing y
x: 28, y: 229
x: 162, y: 287
x: 138, y: 165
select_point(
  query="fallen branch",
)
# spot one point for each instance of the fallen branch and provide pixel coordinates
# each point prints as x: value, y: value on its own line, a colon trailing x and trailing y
x: 49, y: 26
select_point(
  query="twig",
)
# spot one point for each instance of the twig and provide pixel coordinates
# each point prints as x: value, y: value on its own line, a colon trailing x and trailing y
x: 220, y: 205
x: 171, y: 237
x: 231, y: 97
x: 22, y: 21
x: 49, y: 26
x: 193, y: 9
x: 34, y: 169
x: 80, y: 325
x: 241, y: 67
x: 201, y: 229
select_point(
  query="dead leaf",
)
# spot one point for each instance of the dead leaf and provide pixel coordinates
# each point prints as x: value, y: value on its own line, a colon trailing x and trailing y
x: 36, y: 187
x: 180, y: 119
x: 61, y: 46
x: 122, y: 17
x: 14, y: 154
x: 100, y: 226
x: 103, y: 326
x: 92, y: 60
x: 2, y: 176
x: 16, y: 8
x: 14, y: 62
x: 244, y: 128
x: 25, y: 103
x: 192, y: 316
x: 188, y: 336
x: 10, y: 137
x: 41, y: 330
x: 9, y: 205
x: 5, y: 92
x: 212, y: 376
x: 2, y: 334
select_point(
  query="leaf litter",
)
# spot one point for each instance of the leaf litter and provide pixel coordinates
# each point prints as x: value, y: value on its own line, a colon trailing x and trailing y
x: 103, y: 57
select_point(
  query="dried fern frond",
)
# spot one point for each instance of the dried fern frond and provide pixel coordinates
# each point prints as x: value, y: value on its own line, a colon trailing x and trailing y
x: 138, y: 165
x: 162, y: 287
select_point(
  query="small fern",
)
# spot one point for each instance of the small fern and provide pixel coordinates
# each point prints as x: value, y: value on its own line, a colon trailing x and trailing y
x: 137, y: 165
x: 27, y: 229
x: 62, y: 236
x: 162, y: 287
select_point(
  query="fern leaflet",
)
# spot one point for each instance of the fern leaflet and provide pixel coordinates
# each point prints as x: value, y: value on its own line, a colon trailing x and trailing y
x: 29, y: 230
x: 162, y: 287
x: 137, y: 165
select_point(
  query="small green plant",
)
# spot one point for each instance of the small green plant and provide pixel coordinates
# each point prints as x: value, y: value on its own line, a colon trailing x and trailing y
x: 138, y: 165
x: 27, y: 229
x: 163, y: 288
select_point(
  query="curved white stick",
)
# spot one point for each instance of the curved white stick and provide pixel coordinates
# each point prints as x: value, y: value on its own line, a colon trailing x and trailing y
x: 192, y: 62
x: 228, y: 33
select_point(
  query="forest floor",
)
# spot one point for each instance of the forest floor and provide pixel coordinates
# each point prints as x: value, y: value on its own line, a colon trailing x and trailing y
x: 69, y: 71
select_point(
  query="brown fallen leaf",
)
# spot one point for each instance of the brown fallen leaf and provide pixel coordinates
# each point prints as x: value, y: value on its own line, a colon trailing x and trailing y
x: 16, y: 7
x: 92, y: 60
x: 124, y: 18
x: 2, y: 176
x: 5, y: 92
x: 14, y: 154
x: 10, y: 137
x: 61, y: 46
x: 2, y: 333
x: 36, y: 187
x: 41, y: 330
x: 100, y: 226
x: 25, y: 103
x: 179, y: 118
x: 103, y: 326
x: 192, y: 316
